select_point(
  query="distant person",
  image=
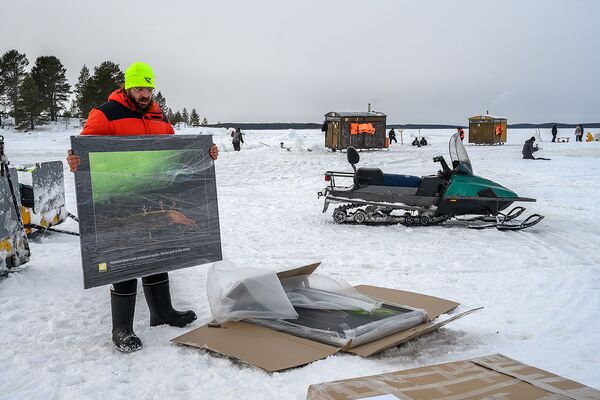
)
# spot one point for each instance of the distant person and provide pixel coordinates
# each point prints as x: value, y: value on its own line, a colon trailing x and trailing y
x: 237, y: 138
x: 554, y: 132
x: 423, y: 141
x: 582, y: 132
x: 324, y: 127
x: 578, y: 133
x: 529, y: 149
x: 392, y: 136
x: 461, y: 133
x: 416, y: 142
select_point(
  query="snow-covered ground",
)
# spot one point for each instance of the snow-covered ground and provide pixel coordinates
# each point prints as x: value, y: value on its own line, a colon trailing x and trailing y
x: 540, y: 287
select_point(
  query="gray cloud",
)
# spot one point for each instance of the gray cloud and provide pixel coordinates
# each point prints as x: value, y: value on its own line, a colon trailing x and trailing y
x: 267, y: 60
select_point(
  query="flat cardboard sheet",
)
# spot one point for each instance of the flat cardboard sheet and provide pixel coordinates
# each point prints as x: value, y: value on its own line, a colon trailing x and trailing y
x: 146, y: 204
x: 491, y: 377
x: 253, y: 346
x: 263, y: 347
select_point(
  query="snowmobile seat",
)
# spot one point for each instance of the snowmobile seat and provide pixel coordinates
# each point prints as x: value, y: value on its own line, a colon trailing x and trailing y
x: 401, y: 180
x: 369, y: 176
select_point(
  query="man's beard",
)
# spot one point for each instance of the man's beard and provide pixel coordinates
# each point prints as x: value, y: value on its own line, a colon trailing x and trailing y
x: 140, y: 109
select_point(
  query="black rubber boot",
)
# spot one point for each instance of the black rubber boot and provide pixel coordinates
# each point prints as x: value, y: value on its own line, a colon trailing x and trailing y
x: 158, y: 297
x: 123, y: 309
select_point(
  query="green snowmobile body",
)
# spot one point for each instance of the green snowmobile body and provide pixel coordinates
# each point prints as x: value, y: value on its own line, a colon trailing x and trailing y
x: 472, y: 185
x: 471, y: 194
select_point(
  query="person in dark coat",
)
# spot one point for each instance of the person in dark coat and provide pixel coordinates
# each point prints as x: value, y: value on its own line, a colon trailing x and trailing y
x: 392, y: 136
x: 529, y: 149
x: 416, y: 142
x: 324, y: 127
x: 554, y: 132
x: 423, y: 141
x: 237, y: 138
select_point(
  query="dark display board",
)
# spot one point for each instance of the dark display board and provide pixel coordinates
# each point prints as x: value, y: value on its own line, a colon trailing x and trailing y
x: 146, y: 204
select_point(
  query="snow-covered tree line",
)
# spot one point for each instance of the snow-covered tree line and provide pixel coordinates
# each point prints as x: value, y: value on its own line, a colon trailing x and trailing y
x: 43, y: 93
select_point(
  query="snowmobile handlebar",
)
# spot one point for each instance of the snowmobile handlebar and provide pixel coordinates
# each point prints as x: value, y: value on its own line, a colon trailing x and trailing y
x: 441, y: 160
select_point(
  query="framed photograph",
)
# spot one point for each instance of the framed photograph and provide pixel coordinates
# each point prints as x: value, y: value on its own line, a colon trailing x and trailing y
x: 146, y: 205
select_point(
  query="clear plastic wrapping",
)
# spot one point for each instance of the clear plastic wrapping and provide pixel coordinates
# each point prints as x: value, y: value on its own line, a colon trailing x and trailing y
x: 347, y: 327
x: 322, y: 292
x: 146, y: 204
x: 14, y: 247
x: 238, y: 293
x: 310, y: 306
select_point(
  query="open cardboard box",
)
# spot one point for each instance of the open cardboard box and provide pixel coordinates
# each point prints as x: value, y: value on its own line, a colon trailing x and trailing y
x: 275, y: 351
x: 491, y: 377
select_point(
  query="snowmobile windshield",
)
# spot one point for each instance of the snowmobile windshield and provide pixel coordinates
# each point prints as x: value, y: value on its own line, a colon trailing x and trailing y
x: 460, y: 159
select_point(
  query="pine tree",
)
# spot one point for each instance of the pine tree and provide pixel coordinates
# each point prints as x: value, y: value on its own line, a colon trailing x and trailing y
x: 161, y: 101
x: 185, y: 117
x: 194, y: 118
x: 50, y: 78
x: 12, y: 73
x: 177, y: 119
x: 170, y: 115
x: 107, y: 78
x: 96, y: 89
x: 204, y: 121
x: 80, y: 95
x: 29, y: 105
x: 67, y: 114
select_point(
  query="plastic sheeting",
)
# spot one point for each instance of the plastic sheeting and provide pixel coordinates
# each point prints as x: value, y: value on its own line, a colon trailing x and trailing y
x: 347, y: 328
x: 311, y: 306
x: 237, y: 293
x: 146, y: 204
x: 14, y: 247
x: 321, y: 292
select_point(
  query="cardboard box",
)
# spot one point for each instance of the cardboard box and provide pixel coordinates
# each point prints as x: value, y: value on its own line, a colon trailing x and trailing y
x: 491, y: 377
x: 275, y: 351
x: 146, y: 205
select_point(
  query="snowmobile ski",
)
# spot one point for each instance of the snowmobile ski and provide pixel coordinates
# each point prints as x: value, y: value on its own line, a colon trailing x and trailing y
x: 512, y: 214
x: 510, y: 225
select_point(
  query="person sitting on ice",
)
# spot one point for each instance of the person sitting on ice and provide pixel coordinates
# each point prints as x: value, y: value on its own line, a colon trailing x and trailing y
x: 416, y: 142
x: 423, y: 141
x: 529, y: 149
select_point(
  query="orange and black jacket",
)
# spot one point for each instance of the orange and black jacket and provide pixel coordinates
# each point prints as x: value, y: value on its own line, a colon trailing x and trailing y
x: 119, y: 117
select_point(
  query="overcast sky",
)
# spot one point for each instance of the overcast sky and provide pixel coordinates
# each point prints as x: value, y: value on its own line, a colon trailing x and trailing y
x: 276, y: 60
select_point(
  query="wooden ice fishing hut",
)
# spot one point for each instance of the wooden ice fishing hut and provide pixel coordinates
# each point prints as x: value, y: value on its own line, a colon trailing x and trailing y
x: 362, y: 130
x: 487, y: 129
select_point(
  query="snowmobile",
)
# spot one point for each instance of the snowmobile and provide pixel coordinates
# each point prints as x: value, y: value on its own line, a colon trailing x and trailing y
x: 377, y: 197
x: 28, y: 206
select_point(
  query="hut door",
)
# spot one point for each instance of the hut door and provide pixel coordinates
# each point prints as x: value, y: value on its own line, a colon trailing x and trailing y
x: 335, y: 135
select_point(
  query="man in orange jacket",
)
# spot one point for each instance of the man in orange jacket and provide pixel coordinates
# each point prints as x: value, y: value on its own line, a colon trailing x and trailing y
x: 133, y: 111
